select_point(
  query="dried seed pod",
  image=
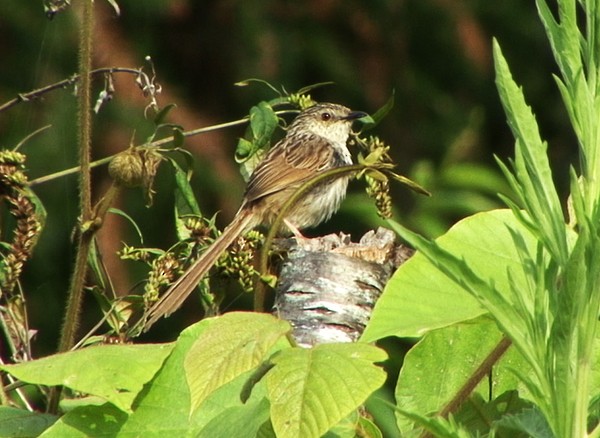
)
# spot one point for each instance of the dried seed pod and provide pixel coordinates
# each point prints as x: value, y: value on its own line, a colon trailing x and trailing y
x: 127, y: 168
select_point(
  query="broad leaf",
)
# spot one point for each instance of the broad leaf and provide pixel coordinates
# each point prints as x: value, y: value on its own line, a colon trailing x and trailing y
x: 169, y: 393
x: 311, y: 390
x: 116, y: 373
x: 233, y: 344
x: 238, y: 421
x: 420, y: 298
x: 19, y: 423
x: 88, y: 422
x: 427, y: 384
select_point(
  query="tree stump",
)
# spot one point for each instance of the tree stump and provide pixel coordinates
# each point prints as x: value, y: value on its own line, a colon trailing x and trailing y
x: 328, y: 285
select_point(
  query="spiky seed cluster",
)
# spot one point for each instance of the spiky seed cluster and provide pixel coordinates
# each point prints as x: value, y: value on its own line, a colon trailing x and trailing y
x: 238, y: 262
x: 379, y: 190
x: 132, y: 253
x: 378, y: 185
x: 164, y: 270
x: 28, y: 226
x: 201, y: 230
x: 302, y: 100
x: 25, y: 237
x: 11, y: 172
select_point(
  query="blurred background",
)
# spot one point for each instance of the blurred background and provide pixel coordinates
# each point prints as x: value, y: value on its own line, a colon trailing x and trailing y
x: 435, y: 55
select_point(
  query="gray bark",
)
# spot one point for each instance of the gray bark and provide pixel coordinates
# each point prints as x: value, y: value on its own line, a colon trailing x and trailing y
x: 328, y: 286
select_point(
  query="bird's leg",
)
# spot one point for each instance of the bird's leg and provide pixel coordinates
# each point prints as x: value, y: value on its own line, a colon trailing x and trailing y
x: 295, y: 231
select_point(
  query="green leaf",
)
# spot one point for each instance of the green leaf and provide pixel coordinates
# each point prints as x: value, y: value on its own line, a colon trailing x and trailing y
x: 169, y: 393
x: 311, y: 390
x: 347, y: 428
x: 185, y: 201
x: 106, y: 378
x: 263, y: 122
x: 178, y: 137
x: 480, y: 258
x: 565, y: 39
x: 244, y: 149
x: 438, y: 426
x: 531, y: 167
x: 238, y: 421
x: 160, y: 117
x: 235, y: 343
x: 97, y: 267
x: 88, y: 422
x: 531, y: 421
x: 311, y: 87
x: 121, y: 213
x: 380, y: 114
x: 19, y: 423
x: 480, y: 416
x: 368, y: 428
x: 427, y: 384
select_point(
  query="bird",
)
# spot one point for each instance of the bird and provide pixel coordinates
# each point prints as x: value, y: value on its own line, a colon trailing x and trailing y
x: 315, y: 141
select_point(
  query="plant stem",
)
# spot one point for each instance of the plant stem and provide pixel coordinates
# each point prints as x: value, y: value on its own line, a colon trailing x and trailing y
x: 71, y: 321
x: 156, y: 143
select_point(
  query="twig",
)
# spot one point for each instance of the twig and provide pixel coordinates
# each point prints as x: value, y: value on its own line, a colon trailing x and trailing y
x: 156, y: 143
x: 483, y: 370
x: 36, y: 94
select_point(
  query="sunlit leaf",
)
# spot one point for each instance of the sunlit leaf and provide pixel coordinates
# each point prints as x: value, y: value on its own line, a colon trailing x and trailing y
x: 88, y: 422
x: 106, y: 378
x: 169, y: 392
x: 311, y: 390
x: 235, y: 343
x: 420, y: 297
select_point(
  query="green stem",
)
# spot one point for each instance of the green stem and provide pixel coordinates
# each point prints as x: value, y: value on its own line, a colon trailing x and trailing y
x: 156, y: 143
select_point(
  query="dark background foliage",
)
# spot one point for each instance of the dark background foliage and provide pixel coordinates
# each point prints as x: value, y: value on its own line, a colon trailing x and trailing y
x: 435, y: 55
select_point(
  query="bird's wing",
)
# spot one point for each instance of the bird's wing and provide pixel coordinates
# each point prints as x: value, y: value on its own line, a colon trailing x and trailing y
x: 290, y: 162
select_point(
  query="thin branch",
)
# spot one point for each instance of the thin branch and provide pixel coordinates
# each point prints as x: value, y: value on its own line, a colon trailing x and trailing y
x: 36, y: 94
x: 156, y: 143
x: 467, y: 389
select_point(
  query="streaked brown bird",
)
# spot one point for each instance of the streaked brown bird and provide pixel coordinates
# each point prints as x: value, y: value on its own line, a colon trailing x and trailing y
x: 315, y: 142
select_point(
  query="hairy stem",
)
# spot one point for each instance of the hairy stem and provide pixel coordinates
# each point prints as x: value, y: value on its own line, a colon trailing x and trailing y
x: 71, y: 321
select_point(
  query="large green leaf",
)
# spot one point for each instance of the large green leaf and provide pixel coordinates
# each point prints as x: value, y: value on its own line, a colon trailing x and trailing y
x: 116, y: 373
x: 311, y: 390
x: 164, y: 409
x: 427, y: 384
x: 238, y: 421
x: 88, y: 422
x: 420, y: 298
x: 233, y: 344
x: 19, y: 423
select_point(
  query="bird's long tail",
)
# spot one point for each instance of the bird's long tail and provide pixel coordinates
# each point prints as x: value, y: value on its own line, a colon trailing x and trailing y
x: 174, y: 297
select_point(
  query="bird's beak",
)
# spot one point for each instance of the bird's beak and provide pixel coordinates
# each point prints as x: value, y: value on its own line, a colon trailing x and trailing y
x: 355, y: 115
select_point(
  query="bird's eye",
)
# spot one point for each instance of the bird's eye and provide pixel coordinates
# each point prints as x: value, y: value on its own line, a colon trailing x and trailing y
x: 325, y: 116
